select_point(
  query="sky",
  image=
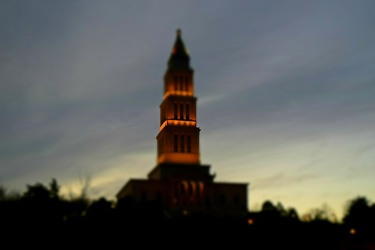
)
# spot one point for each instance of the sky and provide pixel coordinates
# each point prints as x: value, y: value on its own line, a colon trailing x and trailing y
x: 285, y: 94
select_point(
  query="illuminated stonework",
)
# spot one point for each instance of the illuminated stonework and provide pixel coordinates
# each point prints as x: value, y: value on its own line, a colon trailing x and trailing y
x: 178, y: 139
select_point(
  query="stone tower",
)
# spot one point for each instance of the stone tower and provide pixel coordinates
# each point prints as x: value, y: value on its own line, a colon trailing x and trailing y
x: 178, y: 139
x: 179, y: 182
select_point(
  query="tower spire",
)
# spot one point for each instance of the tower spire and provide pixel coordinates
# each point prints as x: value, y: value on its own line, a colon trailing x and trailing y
x: 179, y: 58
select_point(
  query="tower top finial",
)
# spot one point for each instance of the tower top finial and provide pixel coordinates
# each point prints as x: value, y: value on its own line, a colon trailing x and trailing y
x: 179, y: 58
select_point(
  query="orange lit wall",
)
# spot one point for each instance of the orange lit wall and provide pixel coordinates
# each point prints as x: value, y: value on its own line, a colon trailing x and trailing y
x: 178, y: 139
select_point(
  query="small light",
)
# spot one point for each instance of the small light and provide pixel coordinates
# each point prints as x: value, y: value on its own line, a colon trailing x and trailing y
x: 352, y: 231
x: 250, y: 221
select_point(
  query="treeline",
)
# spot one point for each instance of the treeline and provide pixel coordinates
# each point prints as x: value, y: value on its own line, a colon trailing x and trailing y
x: 42, y: 209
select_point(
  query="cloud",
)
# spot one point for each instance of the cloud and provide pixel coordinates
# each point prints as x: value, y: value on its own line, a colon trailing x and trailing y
x: 282, y: 180
x: 81, y: 83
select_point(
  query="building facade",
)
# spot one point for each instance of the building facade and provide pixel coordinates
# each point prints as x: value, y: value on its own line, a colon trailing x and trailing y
x: 179, y: 181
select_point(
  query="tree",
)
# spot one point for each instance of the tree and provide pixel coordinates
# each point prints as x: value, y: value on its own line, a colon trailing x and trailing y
x: 322, y: 214
x: 54, y: 189
x: 270, y: 214
x: 268, y: 207
x: 281, y: 210
x: 358, y: 213
x: 100, y: 211
x: 37, y: 192
x: 292, y: 213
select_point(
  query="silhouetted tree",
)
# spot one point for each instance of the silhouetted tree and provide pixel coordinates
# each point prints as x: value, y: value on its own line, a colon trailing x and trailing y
x: 358, y: 211
x: 54, y: 189
x: 360, y: 216
x: 37, y: 192
x: 269, y: 216
x: 323, y: 214
x: 42, y: 205
x: 268, y: 206
x: 100, y: 211
x: 292, y: 213
x: 281, y: 210
x: 75, y: 209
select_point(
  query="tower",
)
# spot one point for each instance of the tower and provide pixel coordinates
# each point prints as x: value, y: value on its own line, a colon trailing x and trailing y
x: 178, y: 139
x: 179, y: 181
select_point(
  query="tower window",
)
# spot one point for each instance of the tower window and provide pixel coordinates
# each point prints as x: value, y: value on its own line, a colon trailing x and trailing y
x: 187, y: 112
x: 188, y: 143
x: 181, y: 111
x: 175, y: 144
x: 175, y: 111
x: 182, y: 143
x: 175, y: 82
x: 186, y: 83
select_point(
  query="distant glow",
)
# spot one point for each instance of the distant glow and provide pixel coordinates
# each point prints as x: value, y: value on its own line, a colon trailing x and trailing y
x: 250, y: 221
x: 307, y: 218
x: 352, y: 231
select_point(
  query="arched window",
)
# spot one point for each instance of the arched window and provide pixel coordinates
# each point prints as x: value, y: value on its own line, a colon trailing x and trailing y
x: 175, y: 111
x: 193, y: 192
x: 181, y: 111
x: 201, y: 192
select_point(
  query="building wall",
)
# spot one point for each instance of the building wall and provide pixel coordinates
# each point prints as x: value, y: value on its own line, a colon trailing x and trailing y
x: 181, y: 197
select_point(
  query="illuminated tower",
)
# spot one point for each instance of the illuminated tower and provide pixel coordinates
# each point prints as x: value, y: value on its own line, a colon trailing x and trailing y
x: 178, y: 139
x: 179, y: 182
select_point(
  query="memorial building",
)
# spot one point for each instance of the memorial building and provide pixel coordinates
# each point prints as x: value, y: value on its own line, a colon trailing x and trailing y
x: 179, y: 181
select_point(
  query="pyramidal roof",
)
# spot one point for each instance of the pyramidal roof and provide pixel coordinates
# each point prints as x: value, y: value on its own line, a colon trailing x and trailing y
x: 179, y: 58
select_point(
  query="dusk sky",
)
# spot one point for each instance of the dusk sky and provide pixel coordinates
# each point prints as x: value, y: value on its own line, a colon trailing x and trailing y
x: 286, y: 94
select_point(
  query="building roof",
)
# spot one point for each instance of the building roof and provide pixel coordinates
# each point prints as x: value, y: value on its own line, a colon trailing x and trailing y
x: 179, y: 58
